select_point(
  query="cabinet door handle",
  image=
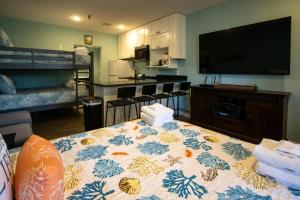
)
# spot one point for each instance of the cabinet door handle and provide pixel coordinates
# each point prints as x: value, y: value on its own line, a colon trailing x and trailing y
x: 158, y: 32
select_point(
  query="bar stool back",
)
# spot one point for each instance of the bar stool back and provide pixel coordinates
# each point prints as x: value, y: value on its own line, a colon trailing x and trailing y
x: 147, y: 92
x: 184, y: 90
x: 166, y: 93
x: 125, y: 97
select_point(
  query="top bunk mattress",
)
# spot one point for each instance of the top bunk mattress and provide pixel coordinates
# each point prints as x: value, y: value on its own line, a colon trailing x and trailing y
x: 24, y: 58
x: 36, y: 97
x: 177, y: 160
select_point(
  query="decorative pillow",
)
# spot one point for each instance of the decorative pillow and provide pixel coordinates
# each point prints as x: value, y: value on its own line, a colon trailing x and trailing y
x: 6, y: 172
x: 7, y: 85
x: 39, y: 172
x: 4, y: 39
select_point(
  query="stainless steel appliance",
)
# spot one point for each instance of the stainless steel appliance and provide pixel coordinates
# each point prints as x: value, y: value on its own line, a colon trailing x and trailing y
x: 142, y: 53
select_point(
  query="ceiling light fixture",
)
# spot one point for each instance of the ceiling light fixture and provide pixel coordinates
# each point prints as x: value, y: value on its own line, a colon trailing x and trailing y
x: 121, y: 26
x: 76, y: 18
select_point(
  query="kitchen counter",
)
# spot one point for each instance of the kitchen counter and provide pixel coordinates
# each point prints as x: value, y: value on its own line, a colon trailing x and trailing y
x: 108, y: 90
x: 124, y: 82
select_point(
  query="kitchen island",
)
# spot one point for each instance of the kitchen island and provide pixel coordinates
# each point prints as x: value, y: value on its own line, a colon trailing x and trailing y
x: 108, y: 90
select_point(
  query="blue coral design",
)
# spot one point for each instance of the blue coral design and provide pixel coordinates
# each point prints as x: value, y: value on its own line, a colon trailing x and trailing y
x: 152, y: 197
x: 79, y: 135
x: 240, y: 193
x: 168, y: 126
x: 142, y: 123
x: 189, y: 133
x: 236, y: 150
x: 91, y: 191
x: 294, y: 192
x: 121, y: 140
x: 153, y: 148
x: 91, y: 152
x: 195, y: 144
x: 107, y: 168
x: 177, y: 183
x: 209, y: 160
x: 148, y: 131
x: 64, y: 145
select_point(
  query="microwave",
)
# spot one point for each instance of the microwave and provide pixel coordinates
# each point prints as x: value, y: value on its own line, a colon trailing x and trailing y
x: 142, y: 53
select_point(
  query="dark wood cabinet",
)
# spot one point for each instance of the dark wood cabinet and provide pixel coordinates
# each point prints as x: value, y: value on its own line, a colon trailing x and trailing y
x: 248, y: 115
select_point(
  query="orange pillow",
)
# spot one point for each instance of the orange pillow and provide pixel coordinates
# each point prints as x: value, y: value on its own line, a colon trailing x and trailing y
x: 39, y: 172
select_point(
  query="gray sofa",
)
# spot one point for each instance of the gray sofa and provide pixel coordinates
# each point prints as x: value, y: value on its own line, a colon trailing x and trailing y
x: 15, y: 127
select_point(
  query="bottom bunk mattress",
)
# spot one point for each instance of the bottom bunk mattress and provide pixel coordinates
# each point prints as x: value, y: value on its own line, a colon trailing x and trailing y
x: 36, y: 97
x: 178, y: 160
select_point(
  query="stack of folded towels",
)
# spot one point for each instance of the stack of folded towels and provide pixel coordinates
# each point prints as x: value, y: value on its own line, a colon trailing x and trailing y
x: 156, y: 114
x: 280, y: 161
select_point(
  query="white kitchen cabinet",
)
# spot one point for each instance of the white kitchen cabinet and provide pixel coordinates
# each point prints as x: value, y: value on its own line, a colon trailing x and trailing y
x: 177, y: 47
x: 127, y: 42
x: 160, y: 26
x: 159, y: 41
x: 122, y: 46
x: 143, y: 35
x: 168, y: 32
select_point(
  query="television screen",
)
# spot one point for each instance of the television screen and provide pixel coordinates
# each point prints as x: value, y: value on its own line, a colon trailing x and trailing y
x: 261, y: 48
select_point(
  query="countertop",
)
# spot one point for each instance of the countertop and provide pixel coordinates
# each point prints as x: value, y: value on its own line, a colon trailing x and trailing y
x: 124, y: 82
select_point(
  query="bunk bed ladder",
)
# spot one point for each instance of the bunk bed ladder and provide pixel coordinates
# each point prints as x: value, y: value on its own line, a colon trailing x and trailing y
x: 88, y: 82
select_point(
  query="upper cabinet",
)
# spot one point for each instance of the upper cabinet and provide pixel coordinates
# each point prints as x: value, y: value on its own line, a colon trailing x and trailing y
x: 143, y: 35
x: 177, y: 48
x: 168, y: 32
x: 160, y: 26
x: 127, y: 42
x: 160, y: 41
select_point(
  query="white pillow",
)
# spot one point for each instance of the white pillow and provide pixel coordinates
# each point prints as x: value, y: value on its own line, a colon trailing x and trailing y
x: 6, y: 172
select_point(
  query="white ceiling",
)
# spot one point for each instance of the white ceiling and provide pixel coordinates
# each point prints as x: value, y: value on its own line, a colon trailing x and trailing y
x: 131, y: 13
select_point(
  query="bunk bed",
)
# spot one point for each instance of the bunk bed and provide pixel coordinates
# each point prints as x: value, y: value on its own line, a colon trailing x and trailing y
x: 38, y: 99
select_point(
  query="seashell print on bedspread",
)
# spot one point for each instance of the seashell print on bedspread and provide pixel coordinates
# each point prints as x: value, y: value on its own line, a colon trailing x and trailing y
x: 134, y: 160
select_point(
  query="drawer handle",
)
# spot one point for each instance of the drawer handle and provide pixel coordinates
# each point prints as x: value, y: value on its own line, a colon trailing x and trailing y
x: 158, y: 32
x: 157, y: 46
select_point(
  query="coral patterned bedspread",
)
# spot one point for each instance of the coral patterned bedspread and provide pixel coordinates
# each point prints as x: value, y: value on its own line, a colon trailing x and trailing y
x: 178, y: 160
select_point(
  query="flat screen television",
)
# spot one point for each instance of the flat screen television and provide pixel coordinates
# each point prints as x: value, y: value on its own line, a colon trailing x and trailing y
x: 261, y: 48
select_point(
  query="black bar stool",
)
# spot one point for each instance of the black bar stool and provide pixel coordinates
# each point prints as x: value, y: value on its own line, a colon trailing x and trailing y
x: 166, y: 93
x: 184, y: 90
x: 125, y: 97
x: 147, y: 95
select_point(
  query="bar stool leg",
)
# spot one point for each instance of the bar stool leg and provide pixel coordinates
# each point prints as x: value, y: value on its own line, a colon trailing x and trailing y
x: 173, y: 103
x: 124, y: 113
x: 177, y: 107
x: 140, y: 106
x: 160, y: 101
x: 106, y: 114
x: 129, y: 112
x: 168, y: 102
x: 115, y: 109
x: 136, y: 111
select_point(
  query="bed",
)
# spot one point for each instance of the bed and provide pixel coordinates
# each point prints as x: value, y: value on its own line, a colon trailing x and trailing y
x: 38, y: 98
x: 178, y: 160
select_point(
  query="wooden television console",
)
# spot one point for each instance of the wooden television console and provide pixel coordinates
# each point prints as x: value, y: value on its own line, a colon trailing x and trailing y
x: 244, y: 113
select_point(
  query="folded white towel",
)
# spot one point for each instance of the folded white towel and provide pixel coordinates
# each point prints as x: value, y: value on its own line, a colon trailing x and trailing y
x: 161, y: 117
x: 157, y: 110
x: 266, y: 152
x: 288, y: 147
x: 278, y: 175
x: 155, y: 121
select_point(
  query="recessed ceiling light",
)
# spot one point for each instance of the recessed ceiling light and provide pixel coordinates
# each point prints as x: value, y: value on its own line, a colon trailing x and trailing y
x: 121, y: 26
x: 76, y: 18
